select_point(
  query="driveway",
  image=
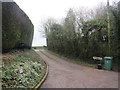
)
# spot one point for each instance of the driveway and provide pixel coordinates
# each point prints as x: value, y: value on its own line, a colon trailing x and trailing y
x: 64, y: 74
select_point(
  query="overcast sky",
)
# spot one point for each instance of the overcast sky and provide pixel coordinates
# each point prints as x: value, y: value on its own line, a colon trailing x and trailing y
x: 39, y: 10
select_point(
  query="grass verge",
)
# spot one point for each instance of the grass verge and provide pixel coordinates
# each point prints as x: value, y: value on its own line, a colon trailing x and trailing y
x: 71, y: 59
x: 22, y: 69
x: 89, y: 63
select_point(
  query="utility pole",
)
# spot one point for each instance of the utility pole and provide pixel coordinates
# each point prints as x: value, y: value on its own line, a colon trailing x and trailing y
x: 108, y: 26
x: 108, y: 60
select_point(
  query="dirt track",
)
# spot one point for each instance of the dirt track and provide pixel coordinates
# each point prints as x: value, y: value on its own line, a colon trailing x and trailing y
x: 63, y: 74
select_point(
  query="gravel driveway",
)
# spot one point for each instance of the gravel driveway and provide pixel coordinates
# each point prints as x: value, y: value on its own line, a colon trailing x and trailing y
x: 64, y: 74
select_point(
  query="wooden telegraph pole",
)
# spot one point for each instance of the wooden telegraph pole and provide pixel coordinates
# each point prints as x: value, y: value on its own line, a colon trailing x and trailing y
x: 108, y: 18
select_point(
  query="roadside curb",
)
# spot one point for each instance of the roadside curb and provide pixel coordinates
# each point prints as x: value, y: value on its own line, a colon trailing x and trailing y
x: 45, y: 76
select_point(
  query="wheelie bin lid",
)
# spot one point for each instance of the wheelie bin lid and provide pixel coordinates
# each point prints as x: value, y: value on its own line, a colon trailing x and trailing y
x: 108, y: 57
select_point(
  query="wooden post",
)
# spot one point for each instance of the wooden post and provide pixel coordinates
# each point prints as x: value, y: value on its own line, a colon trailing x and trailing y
x: 108, y: 18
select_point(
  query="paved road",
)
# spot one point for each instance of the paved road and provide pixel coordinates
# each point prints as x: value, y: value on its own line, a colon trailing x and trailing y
x: 63, y: 74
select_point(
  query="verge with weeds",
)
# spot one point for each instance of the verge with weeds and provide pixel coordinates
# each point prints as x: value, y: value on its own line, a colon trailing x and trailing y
x: 22, y: 69
x: 89, y: 63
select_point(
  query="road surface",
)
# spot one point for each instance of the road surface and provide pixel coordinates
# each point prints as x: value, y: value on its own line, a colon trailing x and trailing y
x: 64, y: 74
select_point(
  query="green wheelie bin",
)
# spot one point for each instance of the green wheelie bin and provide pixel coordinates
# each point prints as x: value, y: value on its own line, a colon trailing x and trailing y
x: 108, y: 63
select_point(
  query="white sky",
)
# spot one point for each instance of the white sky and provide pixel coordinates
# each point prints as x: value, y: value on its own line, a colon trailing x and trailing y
x: 40, y: 10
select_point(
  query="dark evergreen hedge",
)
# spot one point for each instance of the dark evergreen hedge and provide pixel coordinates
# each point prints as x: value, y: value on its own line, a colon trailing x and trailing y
x: 17, y: 29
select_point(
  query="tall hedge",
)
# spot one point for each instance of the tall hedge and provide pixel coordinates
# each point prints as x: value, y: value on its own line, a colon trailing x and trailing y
x: 17, y: 29
x: 90, y: 39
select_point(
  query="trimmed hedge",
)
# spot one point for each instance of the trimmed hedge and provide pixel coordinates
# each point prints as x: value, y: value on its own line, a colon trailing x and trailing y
x: 17, y: 29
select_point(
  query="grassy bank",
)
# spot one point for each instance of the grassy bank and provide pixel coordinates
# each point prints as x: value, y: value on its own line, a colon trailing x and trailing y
x: 22, y: 69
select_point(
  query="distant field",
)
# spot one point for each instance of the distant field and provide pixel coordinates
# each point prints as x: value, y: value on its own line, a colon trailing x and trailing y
x: 38, y: 47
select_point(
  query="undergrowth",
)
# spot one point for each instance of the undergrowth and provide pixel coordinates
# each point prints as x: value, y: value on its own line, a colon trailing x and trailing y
x: 23, y: 69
